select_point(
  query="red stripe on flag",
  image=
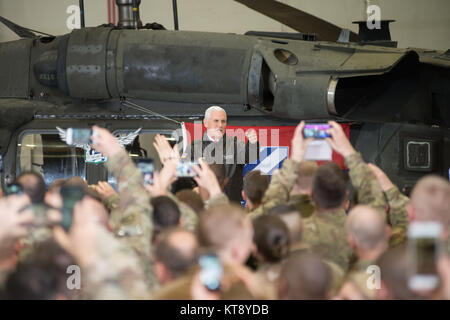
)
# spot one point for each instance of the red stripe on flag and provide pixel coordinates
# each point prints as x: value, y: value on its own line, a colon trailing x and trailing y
x: 267, y: 136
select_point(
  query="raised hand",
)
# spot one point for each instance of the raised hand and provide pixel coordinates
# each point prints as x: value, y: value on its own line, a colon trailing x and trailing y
x: 339, y: 141
x: 165, y: 152
x: 299, y: 144
x: 206, y: 178
x: 104, y: 189
x: 103, y: 141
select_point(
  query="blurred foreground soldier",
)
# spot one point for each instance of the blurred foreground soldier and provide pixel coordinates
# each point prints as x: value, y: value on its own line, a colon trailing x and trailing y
x: 176, y: 250
x: 325, y: 229
x: 43, y: 276
x: 217, y: 147
x: 394, y: 276
x: 300, y: 194
x: 192, y: 199
x: 272, y: 246
x: 166, y: 214
x: 304, y: 277
x: 368, y: 237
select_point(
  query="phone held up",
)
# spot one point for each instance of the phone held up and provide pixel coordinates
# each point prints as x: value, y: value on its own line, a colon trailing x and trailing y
x: 185, y: 169
x: 70, y: 196
x: 147, y: 168
x: 78, y: 136
x: 424, y: 246
x: 316, y: 131
x: 211, y: 271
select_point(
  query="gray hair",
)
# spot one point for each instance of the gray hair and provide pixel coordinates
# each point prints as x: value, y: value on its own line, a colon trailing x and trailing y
x: 213, y: 108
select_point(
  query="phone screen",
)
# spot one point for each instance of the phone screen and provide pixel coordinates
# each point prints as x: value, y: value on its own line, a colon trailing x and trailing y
x: 78, y: 136
x: 211, y: 271
x: 147, y: 168
x: 426, y: 255
x: 70, y: 195
x: 14, y: 188
x: 184, y: 169
x: 316, y: 131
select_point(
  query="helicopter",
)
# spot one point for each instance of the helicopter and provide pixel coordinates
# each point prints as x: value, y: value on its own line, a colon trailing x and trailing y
x: 130, y: 75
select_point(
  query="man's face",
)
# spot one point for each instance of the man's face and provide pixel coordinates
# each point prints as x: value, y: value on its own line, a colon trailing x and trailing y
x: 216, y: 124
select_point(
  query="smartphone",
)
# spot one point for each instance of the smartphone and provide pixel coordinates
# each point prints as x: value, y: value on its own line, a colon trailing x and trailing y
x: 316, y: 131
x: 211, y: 271
x: 147, y: 168
x: 423, y: 254
x: 70, y: 195
x: 14, y: 188
x: 78, y: 136
x: 184, y: 169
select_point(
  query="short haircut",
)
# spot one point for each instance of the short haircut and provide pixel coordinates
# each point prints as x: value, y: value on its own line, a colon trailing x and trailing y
x: 329, y: 186
x: 165, y: 213
x: 431, y: 199
x: 177, y: 256
x: 213, y: 108
x: 304, y: 276
x: 255, y: 185
x: 192, y: 199
x: 393, y: 265
x: 367, y: 227
x: 220, y: 225
x: 81, y: 183
x: 219, y: 171
x: 271, y: 237
x: 42, y: 275
x: 33, y: 185
x: 306, y: 174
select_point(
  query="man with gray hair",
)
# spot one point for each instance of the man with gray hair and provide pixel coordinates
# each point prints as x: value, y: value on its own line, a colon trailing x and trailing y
x: 217, y: 147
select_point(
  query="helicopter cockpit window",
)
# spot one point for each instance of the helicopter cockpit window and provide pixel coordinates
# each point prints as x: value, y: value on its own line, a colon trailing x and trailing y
x: 142, y: 147
x: 45, y: 153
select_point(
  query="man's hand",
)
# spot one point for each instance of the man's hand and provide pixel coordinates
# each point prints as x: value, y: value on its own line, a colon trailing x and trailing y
x: 105, y: 190
x: 81, y: 241
x: 339, y: 141
x: 383, y: 179
x: 14, y: 218
x: 165, y: 152
x: 206, y: 178
x: 15, y: 221
x: 299, y: 144
x: 162, y: 180
x: 252, y: 136
x: 103, y: 141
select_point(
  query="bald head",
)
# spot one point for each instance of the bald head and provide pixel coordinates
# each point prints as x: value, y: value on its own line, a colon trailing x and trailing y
x: 430, y: 199
x: 366, y: 227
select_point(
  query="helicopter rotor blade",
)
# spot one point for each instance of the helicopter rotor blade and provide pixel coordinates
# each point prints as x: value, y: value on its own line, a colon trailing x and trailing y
x: 20, y: 31
x: 297, y: 19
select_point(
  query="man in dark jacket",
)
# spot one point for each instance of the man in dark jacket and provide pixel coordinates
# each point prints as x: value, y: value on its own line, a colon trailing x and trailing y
x: 217, y: 147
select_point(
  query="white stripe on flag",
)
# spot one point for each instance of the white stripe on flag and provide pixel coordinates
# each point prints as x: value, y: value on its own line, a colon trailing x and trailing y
x: 269, y: 163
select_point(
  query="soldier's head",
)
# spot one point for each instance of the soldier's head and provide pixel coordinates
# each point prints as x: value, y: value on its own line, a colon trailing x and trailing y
x: 329, y: 189
x: 303, y: 185
x: 192, y: 199
x: 430, y: 200
x: 292, y: 218
x: 215, y: 122
x: 220, y: 173
x: 166, y: 213
x: 53, y: 196
x: 33, y: 185
x: 271, y: 238
x: 393, y: 266
x: 254, y: 186
x: 366, y: 230
x: 176, y: 250
x: 227, y: 231
x: 43, y: 275
x: 304, y: 277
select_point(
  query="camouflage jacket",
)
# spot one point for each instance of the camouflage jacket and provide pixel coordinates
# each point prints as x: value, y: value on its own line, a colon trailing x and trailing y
x: 303, y: 203
x: 117, y: 272
x: 188, y: 217
x: 280, y: 186
x: 133, y: 224
x: 326, y: 232
x: 398, y: 217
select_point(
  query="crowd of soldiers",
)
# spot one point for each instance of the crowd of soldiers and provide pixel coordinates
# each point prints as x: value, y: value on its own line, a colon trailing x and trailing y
x: 301, y: 236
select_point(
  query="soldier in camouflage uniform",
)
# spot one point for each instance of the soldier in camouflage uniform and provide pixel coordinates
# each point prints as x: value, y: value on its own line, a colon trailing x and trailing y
x: 325, y: 229
x: 300, y: 193
x: 134, y: 223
